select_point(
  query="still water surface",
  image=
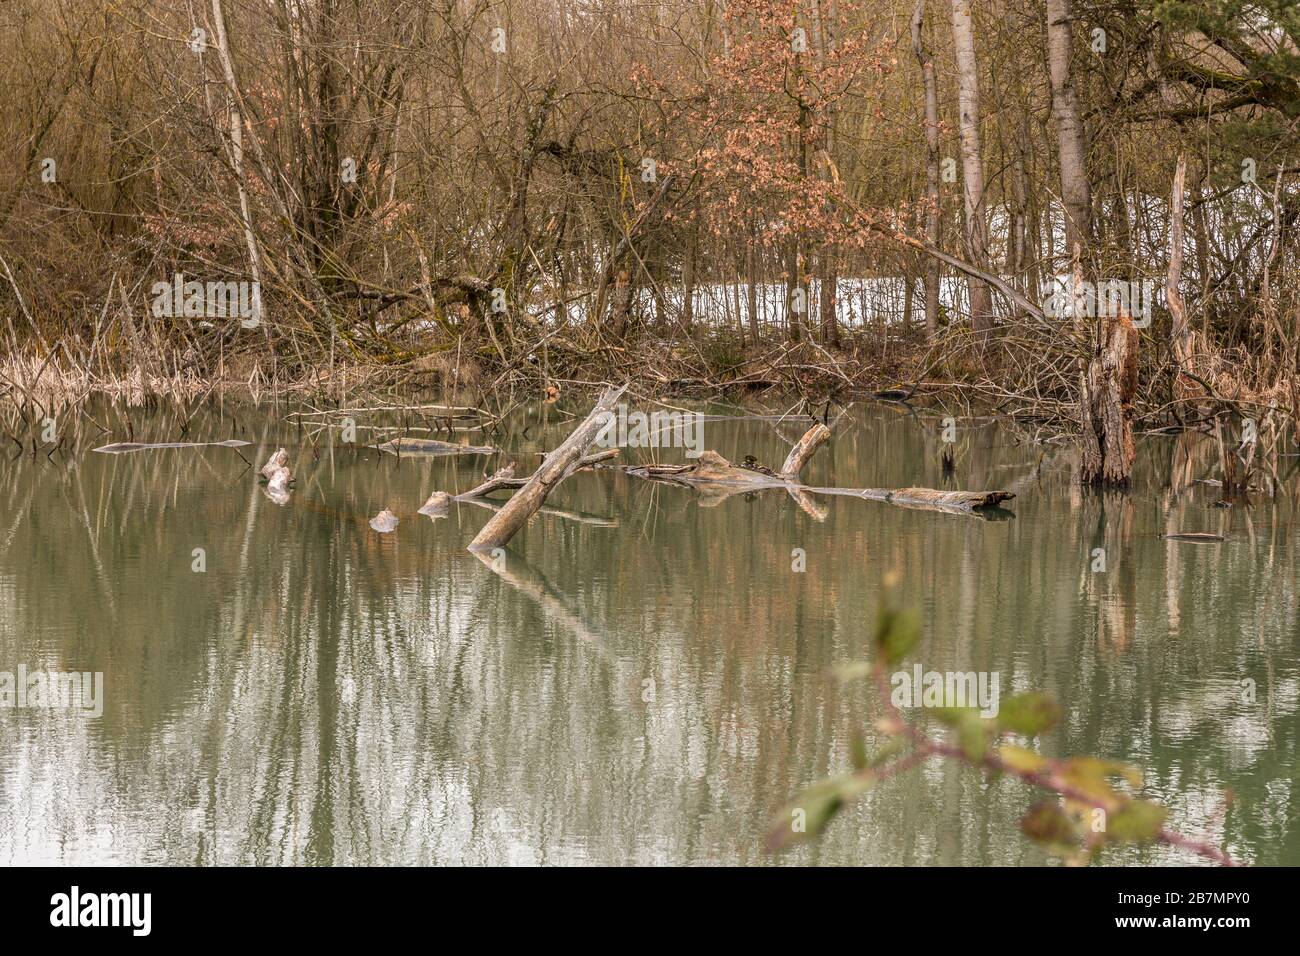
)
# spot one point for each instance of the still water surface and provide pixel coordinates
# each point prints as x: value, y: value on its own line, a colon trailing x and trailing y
x: 647, y: 683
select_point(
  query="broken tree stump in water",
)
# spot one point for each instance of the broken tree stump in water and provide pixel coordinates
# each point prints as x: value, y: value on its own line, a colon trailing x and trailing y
x: 557, y: 466
x: 437, y: 506
x: 279, y: 459
x: 278, y: 476
x: 1108, y: 387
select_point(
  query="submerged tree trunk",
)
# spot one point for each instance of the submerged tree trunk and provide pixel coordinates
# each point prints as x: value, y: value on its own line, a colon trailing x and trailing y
x: 968, y: 97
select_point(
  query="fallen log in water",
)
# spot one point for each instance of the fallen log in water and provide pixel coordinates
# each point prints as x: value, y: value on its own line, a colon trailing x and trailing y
x: 557, y: 466
x: 1203, y: 537
x: 122, y: 447
x: 926, y: 499
x: 431, y: 446
x: 718, y: 478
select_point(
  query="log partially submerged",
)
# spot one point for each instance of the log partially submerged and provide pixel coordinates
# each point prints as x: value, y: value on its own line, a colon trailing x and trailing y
x: 804, y: 449
x: 122, y: 447
x: 924, y: 498
x: 719, y: 478
x: 557, y: 466
x: 407, y: 445
x: 505, y: 477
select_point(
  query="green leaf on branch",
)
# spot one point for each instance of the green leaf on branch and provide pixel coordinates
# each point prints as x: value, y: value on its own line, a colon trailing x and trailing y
x: 1136, y: 821
x: 972, y: 731
x: 888, y: 750
x: 1022, y: 760
x: 807, y: 814
x: 1028, y: 714
x: 1091, y: 777
x: 897, y: 633
x: 1049, y: 826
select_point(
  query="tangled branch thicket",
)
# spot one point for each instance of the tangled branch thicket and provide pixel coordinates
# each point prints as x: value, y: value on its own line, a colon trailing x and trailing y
x: 821, y: 195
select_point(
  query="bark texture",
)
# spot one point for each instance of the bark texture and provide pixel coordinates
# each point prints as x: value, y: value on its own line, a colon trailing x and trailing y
x: 972, y: 166
x: 1108, y: 388
x: 558, y: 465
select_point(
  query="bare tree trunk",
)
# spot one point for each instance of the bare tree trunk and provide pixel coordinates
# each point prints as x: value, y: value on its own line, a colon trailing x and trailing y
x: 1180, y: 335
x: 827, y: 281
x: 752, y: 288
x: 688, y: 285
x: 237, y: 160
x: 909, y: 294
x: 933, y: 208
x: 968, y: 98
x: 1075, y: 189
x: 503, y: 525
x: 796, y: 298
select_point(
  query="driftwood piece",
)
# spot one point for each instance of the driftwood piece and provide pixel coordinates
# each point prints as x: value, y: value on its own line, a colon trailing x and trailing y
x: 804, y: 449
x: 278, y: 476
x: 505, y: 477
x: 558, y: 465
x: 384, y: 522
x: 711, y: 469
x: 122, y: 447
x: 501, y: 478
x: 437, y: 506
x: 1202, y: 537
x: 924, y: 498
x: 406, y: 445
x: 279, y: 459
x: 718, y: 478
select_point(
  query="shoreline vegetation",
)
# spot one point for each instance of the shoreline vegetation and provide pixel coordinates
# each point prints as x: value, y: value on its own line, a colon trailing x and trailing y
x: 821, y: 202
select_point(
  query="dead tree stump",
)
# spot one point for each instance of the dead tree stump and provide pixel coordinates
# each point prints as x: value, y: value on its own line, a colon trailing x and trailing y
x: 1108, y: 388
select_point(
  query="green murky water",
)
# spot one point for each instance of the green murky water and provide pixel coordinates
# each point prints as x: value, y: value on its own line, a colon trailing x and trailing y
x: 646, y: 682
